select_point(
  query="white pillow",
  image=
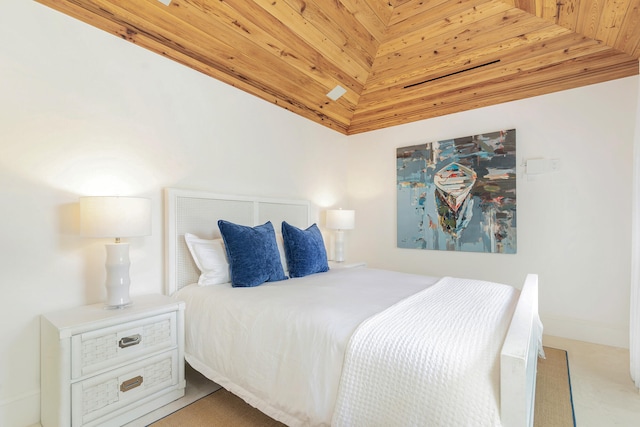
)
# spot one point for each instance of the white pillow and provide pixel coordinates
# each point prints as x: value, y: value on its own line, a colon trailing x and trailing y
x: 283, y: 258
x: 210, y: 257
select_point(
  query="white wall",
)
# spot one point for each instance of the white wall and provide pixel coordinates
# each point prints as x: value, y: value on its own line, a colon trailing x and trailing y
x: 574, y: 225
x: 634, y: 305
x: 85, y: 113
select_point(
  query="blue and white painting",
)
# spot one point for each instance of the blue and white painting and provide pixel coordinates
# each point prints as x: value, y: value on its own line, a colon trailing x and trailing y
x: 459, y: 194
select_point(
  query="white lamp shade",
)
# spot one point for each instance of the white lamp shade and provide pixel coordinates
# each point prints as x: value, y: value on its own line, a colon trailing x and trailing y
x: 341, y: 219
x: 115, y: 217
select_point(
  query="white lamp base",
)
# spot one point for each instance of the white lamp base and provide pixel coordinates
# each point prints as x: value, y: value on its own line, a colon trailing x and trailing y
x: 118, y: 280
x: 338, y: 255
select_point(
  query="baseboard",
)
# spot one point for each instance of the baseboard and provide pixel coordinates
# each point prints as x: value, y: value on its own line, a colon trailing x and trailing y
x: 21, y: 410
x: 582, y: 330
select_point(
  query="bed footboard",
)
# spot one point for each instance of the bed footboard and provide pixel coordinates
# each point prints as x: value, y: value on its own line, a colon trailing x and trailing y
x: 518, y: 359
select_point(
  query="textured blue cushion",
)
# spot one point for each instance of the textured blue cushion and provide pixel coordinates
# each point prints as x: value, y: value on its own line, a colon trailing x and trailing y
x: 304, y: 250
x: 252, y: 253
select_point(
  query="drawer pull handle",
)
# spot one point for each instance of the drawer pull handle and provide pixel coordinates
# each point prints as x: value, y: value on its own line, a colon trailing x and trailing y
x: 131, y: 384
x: 129, y: 341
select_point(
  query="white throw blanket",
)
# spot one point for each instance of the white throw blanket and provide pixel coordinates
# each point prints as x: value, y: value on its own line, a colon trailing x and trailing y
x: 429, y: 360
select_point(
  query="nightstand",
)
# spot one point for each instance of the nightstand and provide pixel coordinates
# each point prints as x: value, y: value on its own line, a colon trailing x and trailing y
x: 109, y: 367
x: 335, y: 265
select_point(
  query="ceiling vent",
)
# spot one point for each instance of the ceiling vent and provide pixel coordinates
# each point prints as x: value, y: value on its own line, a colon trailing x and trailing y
x: 452, y: 74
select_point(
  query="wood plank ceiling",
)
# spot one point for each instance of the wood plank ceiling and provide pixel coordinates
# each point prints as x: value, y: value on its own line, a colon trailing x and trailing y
x: 399, y: 60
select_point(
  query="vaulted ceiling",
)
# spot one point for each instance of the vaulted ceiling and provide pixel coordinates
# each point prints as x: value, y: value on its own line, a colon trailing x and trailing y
x: 399, y: 60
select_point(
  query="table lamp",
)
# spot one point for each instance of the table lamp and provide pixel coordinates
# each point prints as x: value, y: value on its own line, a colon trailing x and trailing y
x: 340, y: 220
x: 116, y: 217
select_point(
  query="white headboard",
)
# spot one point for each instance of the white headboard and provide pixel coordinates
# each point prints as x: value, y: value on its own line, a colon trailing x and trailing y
x: 198, y: 212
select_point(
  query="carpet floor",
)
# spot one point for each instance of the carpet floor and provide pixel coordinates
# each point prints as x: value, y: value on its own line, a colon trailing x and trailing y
x: 554, y: 406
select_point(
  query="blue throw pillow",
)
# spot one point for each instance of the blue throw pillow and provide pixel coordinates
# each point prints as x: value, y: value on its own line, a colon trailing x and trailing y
x: 252, y: 253
x: 304, y: 250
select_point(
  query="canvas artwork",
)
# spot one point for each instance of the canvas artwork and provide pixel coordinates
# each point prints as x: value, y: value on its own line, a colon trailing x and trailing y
x: 459, y: 194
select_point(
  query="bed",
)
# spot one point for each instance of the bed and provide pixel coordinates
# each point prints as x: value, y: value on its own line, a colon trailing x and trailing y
x: 304, y: 350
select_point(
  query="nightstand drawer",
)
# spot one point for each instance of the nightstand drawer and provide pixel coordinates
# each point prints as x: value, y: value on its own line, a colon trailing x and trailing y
x: 100, y: 398
x: 106, y: 348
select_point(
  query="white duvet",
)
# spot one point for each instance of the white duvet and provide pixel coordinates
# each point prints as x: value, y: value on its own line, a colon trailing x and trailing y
x: 281, y: 346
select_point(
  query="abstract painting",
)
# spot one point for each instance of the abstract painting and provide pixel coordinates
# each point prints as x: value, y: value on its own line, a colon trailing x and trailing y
x: 459, y: 194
